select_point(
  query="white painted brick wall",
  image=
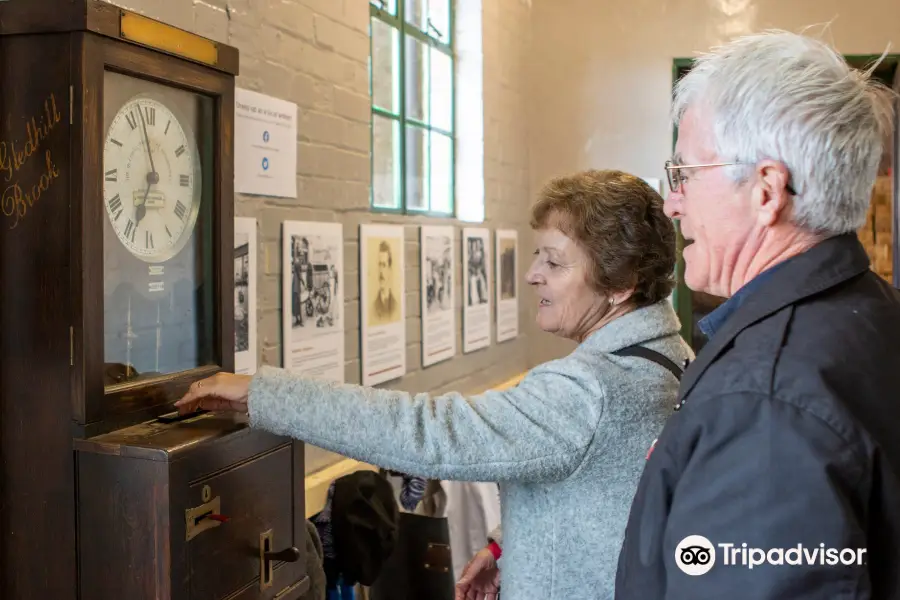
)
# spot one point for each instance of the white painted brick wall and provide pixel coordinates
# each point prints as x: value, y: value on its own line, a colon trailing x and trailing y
x: 315, y: 53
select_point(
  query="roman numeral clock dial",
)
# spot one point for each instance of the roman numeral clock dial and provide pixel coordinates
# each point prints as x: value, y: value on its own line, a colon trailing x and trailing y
x: 151, y: 180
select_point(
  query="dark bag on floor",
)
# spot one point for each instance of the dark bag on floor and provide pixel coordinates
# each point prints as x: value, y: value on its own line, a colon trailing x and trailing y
x: 420, y: 566
x: 364, y: 522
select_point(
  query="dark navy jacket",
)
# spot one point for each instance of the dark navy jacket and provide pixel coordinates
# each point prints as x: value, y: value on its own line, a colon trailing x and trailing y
x: 789, y: 434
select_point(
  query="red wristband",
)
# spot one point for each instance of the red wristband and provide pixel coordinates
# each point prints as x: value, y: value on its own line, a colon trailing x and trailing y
x: 495, y: 549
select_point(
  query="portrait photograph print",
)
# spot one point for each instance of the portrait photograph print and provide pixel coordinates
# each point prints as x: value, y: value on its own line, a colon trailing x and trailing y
x: 476, y: 288
x: 382, y: 280
x: 507, y: 278
x: 383, y: 302
x: 313, y: 299
x: 245, y: 295
x: 438, y: 264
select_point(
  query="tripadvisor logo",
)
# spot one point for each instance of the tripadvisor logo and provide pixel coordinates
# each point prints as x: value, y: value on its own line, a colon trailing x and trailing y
x: 696, y: 555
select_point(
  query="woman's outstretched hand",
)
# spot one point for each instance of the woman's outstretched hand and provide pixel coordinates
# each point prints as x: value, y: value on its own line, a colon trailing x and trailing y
x: 222, y: 391
x: 480, y: 579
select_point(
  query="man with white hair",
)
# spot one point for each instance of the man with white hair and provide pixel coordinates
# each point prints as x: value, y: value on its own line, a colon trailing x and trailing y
x: 784, y: 449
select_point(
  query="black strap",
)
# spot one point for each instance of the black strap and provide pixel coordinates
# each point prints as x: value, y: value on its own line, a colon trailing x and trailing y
x: 658, y: 358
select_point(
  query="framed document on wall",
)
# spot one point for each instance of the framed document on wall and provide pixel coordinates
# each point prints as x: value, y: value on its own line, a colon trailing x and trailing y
x: 438, y: 265
x: 245, y: 260
x: 313, y: 299
x: 507, y: 284
x: 476, y: 289
x: 382, y: 302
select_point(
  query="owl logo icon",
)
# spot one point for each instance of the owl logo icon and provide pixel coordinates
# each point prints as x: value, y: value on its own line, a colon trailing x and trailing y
x: 695, y: 555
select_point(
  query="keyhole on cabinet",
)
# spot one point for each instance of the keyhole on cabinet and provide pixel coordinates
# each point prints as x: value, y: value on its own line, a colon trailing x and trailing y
x: 267, y: 547
x: 207, y: 493
x: 265, y: 565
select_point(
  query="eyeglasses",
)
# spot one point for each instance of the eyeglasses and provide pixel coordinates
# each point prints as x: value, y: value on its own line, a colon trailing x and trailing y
x: 673, y: 174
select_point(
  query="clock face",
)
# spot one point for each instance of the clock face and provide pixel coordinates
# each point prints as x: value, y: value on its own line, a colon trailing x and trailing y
x: 152, y: 186
x: 159, y: 276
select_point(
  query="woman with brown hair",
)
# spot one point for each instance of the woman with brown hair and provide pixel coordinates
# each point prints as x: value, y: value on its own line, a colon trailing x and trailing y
x: 568, y: 443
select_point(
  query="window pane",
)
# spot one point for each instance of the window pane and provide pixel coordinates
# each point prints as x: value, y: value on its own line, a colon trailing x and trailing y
x: 416, y: 12
x: 441, y: 177
x: 439, y: 20
x: 441, y: 93
x: 385, y: 162
x: 384, y: 66
x: 432, y: 17
x: 416, y: 168
x: 388, y: 5
x: 416, y: 79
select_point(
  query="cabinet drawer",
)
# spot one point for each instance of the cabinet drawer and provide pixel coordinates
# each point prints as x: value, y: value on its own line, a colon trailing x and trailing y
x: 256, y: 498
x: 180, y: 511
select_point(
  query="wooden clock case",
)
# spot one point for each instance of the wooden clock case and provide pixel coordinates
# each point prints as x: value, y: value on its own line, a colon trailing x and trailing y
x: 101, y: 496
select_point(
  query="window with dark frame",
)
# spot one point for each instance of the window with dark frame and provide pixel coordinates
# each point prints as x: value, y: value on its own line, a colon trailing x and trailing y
x: 411, y: 82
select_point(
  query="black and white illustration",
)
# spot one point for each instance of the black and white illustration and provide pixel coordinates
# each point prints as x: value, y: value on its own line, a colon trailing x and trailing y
x: 437, y: 270
x: 314, y: 282
x: 507, y: 280
x: 438, y: 263
x: 313, y: 304
x: 476, y: 271
x: 476, y: 288
x: 245, y: 295
x: 241, y: 292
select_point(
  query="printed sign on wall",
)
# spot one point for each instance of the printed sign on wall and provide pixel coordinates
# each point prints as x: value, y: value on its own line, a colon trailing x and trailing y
x: 382, y: 302
x: 313, y: 299
x: 265, y: 145
x: 245, y: 353
x: 507, y: 285
x: 438, y: 264
x: 476, y: 288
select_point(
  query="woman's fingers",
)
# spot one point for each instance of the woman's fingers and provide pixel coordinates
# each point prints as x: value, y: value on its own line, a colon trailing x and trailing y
x: 223, y: 391
x: 461, y: 592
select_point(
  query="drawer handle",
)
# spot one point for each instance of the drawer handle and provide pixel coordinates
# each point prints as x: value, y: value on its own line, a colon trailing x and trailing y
x: 268, y: 558
x: 287, y: 555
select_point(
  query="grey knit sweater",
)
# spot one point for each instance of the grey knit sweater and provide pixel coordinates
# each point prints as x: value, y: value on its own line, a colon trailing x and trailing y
x: 567, y: 445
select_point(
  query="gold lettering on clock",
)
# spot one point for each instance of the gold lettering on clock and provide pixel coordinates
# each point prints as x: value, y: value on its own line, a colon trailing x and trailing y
x: 17, y: 198
x: 17, y: 201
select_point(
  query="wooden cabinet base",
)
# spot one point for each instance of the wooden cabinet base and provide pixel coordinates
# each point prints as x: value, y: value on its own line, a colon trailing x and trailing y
x: 200, y: 509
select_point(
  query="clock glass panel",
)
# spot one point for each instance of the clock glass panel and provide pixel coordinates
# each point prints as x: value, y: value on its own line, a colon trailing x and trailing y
x: 158, y: 189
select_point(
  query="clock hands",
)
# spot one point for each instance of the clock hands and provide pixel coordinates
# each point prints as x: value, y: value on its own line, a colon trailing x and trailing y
x: 147, y: 142
x: 152, y: 176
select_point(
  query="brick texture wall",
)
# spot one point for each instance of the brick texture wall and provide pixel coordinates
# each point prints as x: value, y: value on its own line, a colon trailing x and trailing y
x: 315, y: 53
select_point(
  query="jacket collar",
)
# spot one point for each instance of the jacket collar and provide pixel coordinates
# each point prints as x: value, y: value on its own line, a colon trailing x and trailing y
x: 635, y: 327
x: 711, y: 323
x: 824, y: 266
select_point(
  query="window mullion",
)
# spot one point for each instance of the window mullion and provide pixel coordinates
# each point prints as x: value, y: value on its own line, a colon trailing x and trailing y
x: 385, y: 113
x: 430, y: 116
x: 417, y: 33
x: 401, y: 15
x: 384, y: 15
x: 452, y: 33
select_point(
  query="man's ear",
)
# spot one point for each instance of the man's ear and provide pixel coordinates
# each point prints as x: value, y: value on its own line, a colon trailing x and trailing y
x: 769, y: 197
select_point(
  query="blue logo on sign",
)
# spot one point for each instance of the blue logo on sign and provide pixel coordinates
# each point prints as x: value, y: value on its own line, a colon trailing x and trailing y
x: 266, y: 136
x: 265, y: 164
